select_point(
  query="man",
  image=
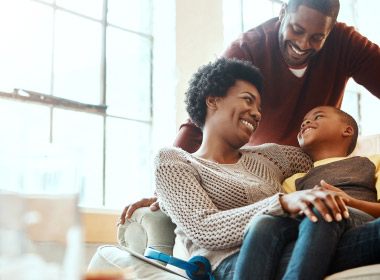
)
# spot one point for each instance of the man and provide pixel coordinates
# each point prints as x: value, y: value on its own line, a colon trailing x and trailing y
x: 306, y: 58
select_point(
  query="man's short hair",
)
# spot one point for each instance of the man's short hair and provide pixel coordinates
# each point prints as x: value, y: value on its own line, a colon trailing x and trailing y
x: 349, y: 120
x: 329, y: 8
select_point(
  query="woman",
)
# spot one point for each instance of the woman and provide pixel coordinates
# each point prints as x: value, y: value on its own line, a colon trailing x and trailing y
x: 213, y: 194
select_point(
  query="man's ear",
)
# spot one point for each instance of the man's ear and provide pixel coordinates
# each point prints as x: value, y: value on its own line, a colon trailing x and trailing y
x: 349, y: 131
x: 282, y: 14
x: 212, y: 102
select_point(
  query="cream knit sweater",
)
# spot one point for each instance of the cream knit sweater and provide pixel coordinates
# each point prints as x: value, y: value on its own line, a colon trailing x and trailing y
x: 212, y: 204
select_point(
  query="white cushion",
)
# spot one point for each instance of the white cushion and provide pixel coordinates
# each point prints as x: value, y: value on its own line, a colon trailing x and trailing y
x: 109, y: 257
x: 369, y: 272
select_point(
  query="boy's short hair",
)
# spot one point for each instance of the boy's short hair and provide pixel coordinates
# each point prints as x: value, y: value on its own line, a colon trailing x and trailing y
x: 349, y: 120
x: 215, y: 79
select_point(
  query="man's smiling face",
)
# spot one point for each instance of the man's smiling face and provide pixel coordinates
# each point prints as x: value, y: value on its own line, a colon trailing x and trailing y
x: 302, y: 34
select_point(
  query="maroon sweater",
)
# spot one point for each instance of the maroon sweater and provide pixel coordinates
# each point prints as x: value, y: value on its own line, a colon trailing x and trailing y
x: 285, y: 98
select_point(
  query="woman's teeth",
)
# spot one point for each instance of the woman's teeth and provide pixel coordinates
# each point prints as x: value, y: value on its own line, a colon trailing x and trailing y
x: 247, y: 124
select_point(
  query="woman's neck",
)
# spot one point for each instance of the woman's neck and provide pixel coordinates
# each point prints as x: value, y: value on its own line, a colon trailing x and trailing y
x: 218, y: 150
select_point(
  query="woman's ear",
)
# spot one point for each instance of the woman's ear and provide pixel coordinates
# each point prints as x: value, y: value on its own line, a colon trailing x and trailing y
x: 212, y: 102
x: 282, y: 14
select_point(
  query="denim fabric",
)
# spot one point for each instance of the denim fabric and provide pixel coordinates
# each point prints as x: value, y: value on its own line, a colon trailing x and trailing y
x: 352, y: 243
x: 226, y: 270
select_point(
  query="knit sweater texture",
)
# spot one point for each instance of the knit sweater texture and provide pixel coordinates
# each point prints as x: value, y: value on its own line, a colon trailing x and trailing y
x: 286, y: 98
x: 212, y: 204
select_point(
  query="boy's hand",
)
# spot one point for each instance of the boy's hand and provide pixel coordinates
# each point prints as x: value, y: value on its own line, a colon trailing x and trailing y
x: 129, y: 209
x: 334, y: 189
x: 338, y: 191
x: 323, y: 200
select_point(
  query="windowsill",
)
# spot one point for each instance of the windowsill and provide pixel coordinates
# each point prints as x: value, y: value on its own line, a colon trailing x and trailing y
x: 99, y: 225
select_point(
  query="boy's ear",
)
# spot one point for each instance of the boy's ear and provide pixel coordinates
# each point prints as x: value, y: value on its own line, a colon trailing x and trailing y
x: 212, y: 102
x: 349, y: 131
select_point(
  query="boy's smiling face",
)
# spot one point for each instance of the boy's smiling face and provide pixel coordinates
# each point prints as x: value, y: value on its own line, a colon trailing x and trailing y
x: 321, y: 128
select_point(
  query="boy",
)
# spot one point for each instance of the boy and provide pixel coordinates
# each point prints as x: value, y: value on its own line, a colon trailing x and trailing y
x: 329, y: 135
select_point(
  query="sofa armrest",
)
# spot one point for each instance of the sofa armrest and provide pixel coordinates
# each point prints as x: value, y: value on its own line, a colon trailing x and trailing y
x: 147, y: 229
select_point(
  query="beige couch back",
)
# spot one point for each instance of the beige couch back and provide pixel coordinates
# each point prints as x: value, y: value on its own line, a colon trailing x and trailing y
x: 367, y: 145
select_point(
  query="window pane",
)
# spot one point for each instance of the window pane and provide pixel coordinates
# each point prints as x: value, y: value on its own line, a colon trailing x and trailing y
x: 256, y: 12
x: 232, y: 21
x: 82, y: 134
x: 128, y: 74
x: 276, y: 9
x: 25, y: 132
x: 128, y: 162
x: 92, y: 8
x: 370, y: 113
x: 26, y: 48
x: 130, y: 14
x: 77, y: 58
x: 350, y: 104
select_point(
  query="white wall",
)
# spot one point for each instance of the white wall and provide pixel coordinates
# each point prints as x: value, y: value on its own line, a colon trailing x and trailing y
x: 199, y: 39
x: 188, y: 34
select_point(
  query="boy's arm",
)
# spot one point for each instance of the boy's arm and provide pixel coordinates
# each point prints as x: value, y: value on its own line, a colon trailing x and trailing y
x: 372, y: 208
x: 289, y: 185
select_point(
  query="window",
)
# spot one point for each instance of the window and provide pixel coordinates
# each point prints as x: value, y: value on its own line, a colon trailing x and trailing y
x: 242, y: 15
x: 76, y: 98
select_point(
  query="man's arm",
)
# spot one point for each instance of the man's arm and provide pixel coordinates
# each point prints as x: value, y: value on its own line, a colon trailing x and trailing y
x: 129, y: 209
x: 363, y: 61
x: 189, y: 137
x: 236, y: 50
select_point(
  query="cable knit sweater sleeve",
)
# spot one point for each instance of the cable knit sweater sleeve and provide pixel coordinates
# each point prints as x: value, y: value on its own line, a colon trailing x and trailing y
x: 180, y: 191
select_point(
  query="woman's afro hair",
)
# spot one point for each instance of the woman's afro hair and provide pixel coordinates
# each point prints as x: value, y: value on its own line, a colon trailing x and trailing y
x: 215, y: 79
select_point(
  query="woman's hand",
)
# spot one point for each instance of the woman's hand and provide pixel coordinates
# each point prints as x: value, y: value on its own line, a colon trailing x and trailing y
x: 129, y: 209
x: 325, y: 201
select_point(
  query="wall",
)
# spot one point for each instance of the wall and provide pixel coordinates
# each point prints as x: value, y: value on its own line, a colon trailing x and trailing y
x: 199, y: 39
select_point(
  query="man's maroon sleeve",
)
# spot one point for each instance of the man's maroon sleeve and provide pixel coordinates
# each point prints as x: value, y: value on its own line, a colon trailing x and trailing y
x: 189, y: 137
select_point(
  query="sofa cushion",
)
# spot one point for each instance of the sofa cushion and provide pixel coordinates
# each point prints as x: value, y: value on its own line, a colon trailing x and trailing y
x: 109, y: 257
x: 147, y: 229
x: 369, y: 272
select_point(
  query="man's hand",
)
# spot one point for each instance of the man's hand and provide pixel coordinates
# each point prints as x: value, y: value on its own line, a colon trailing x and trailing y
x: 323, y: 200
x: 129, y: 209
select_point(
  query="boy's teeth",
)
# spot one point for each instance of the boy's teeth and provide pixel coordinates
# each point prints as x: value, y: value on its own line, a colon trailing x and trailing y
x: 308, y: 129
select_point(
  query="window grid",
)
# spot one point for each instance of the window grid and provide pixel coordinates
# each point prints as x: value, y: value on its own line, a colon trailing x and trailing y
x: 54, y: 102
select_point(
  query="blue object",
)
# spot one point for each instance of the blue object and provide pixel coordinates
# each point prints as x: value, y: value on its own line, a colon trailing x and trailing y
x: 197, y: 268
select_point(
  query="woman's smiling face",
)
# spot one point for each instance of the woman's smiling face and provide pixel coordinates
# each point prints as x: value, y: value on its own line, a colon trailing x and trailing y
x: 238, y: 113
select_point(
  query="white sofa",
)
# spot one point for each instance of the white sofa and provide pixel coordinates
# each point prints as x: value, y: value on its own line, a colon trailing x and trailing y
x: 155, y: 229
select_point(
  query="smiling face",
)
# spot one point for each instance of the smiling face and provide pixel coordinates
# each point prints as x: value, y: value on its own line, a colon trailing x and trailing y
x: 302, y: 34
x: 237, y: 114
x: 323, y: 128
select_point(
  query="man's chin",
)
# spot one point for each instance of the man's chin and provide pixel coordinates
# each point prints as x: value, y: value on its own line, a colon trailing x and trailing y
x: 297, y: 62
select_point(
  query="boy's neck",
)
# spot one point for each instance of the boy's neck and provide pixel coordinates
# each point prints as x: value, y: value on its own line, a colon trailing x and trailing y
x: 318, y: 155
